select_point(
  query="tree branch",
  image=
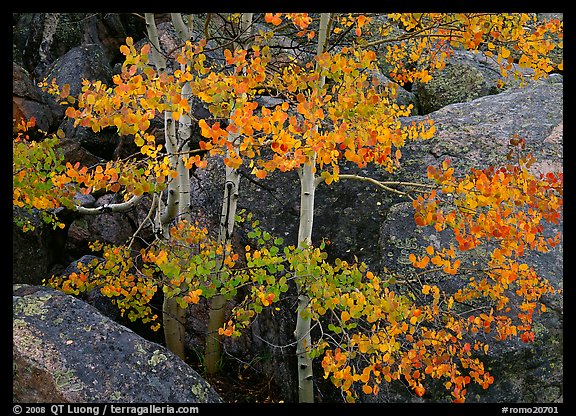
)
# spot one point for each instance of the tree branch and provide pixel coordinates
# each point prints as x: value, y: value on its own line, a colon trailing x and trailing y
x: 382, y: 184
x: 118, y: 207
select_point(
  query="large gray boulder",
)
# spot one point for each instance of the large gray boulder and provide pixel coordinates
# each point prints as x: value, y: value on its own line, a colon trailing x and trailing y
x: 87, y: 61
x: 64, y: 350
x: 478, y: 132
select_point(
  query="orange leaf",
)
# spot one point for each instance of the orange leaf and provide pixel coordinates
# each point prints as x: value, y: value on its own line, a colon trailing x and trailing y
x: 65, y: 91
x: 70, y: 112
x: 420, y: 390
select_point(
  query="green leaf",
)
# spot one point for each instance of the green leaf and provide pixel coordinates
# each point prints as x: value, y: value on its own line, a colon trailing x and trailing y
x: 139, y: 141
x: 334, y: 328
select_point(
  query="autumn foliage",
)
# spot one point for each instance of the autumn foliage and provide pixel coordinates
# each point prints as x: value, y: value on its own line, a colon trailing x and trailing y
x: 373, y: 329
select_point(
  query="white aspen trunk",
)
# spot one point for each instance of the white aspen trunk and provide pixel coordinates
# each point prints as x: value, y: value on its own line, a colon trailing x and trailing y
x: 183, y: 29
x: 48, y: 32
x: 177, y: 147
x: 157, y: 58
x: 308, y: 185
x: 172, y: 314
x: 183, y: 148
x: 172, y: 199
x: 217, y: 305
x: 213, y: 350
x: 302, y: 331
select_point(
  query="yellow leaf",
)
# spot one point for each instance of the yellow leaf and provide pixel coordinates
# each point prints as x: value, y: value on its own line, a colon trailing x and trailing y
x: 205, y: 129
x: 345, y: 316
x: 363, y: 348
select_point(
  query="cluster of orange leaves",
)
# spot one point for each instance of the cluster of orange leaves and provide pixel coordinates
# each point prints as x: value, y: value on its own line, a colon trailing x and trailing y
x: 354, y: 119
x: 504, y: 37
x: 502, y: 209
x: 117, y: 276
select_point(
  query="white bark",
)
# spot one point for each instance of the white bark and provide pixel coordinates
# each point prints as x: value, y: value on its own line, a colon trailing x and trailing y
x: 171, y: 210
x: 184, y: 131
x: 216, y: 314
x: 158, y: 58
x: 172, y: 314
x: 302, y: 331
x: 48, y: 32
x: 182, y: 29
x: 117, y: 207
x: 213, y: 349
x: 308, y: 185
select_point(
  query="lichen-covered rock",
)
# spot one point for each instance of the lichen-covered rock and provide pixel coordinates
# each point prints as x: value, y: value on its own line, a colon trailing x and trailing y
x: 462, y: 80
x: 477, y: 133
x: 64, y: 350
x: 468, y: 75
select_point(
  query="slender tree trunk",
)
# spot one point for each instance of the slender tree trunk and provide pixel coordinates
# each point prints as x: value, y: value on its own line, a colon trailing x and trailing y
x: 217, y: 305
x: 183, y: 28
x: 213, y: 350
x: 308, y: 185
x: 177, y: 202
x: 173, y: 315
x: 302, y: 332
